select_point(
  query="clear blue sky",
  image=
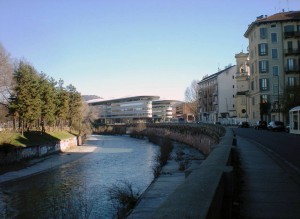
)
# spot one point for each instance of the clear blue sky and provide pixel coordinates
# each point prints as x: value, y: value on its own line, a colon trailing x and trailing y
x: 117, y: 48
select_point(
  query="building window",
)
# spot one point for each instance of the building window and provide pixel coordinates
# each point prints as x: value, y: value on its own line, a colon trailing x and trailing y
x: 275, y: 70
x: 252, y: 85
x: 264, y: 98
x: 263, y: 33
x: 290, y: 46
x: 263, y: 66
x: 252, y: 69
x: 289, y: 28
x: 274, y: 54
x: 291, y: 81
x: 253, y: 101
x: 290, y: 64
x: 274, y: 37
x: 263, y: 49
x: 273, y: 25
x: 264, y: 84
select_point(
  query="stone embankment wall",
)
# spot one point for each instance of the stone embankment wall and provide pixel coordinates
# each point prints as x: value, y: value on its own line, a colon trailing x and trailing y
x: 202, y: 137
x: 12, y: 155
x: 207, y: 192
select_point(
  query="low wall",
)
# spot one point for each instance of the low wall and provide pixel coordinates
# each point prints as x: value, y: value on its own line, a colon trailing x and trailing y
x: 12, y: 155
x: 207, y: 191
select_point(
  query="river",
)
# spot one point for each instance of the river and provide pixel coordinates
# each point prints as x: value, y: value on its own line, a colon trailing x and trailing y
x: 80, y: 189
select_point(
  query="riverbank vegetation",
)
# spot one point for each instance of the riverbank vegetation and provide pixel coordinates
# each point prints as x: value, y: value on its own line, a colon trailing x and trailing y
x: 16, y: 139
x: 123, y: 198
x: 31, y: 101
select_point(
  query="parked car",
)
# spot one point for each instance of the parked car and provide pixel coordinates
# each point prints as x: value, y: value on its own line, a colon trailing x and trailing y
x: 244, y: 125
x: 276, y: 126
x: 260, y: 125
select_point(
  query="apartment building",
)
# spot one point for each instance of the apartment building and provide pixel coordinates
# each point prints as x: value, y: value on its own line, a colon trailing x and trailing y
x: 274, y: 61
x: 184, y: 111
x: 217, y: 94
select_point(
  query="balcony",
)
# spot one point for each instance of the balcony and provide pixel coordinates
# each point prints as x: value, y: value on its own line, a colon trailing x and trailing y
x: 291, y: 52
x: 292, y: 34
x: 292, y: 69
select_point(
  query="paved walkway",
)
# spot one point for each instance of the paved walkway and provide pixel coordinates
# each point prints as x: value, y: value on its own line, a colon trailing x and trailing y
x: 39, y: 165
x: 158, y: 191
x: 171, y: 177
x: 269, y: 190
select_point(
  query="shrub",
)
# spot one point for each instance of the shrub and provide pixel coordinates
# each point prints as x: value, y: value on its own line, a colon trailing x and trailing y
x: 123, y: 198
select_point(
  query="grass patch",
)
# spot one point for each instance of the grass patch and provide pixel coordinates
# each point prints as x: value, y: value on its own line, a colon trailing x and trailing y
x: 61, y: 135
x: 32, y: 138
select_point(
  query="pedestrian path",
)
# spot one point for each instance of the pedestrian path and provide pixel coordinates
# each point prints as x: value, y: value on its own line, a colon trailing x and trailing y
x: 42, y: 164
x: 158, y: 191
x: 267, y: 191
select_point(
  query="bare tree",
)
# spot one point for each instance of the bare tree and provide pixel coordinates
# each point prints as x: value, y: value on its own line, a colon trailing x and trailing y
x: 192, y: 97
x: 6, y: 82
x: 6, y: 76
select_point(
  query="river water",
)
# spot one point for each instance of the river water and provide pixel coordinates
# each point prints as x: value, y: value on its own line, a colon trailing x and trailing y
x: 80, y: 189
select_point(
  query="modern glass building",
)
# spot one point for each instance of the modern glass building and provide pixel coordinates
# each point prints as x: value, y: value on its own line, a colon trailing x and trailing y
x: 124, y: 110
x: 162, y: 110
x: 136, y: 109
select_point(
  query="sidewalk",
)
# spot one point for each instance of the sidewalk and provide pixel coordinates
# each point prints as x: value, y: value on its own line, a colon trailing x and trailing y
x: 39, y: 165
x: 268, y: 190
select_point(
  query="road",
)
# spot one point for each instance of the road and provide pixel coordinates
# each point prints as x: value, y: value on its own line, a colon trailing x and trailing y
x: 285, y: 145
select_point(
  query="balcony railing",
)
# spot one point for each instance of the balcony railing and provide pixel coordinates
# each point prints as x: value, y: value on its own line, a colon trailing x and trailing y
x: 292, y: 69
x: 292, y: 34
x: 288, y: 52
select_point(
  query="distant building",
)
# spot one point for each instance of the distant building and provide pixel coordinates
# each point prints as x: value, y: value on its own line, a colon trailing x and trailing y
x: 183, y: 111
x: 162, y: 110
x: 124, y: 110
x: 217, y: 97
x: 274, y: 61
x: 134, y: 109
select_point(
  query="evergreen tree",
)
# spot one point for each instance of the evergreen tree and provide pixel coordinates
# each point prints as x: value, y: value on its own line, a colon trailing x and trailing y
x: 48, y: 98
x: 62, y: 105
x: 75, y: 104
x: 25, y: 101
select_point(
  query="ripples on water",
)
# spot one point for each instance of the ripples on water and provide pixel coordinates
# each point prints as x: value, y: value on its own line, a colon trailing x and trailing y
x: 80, y: 189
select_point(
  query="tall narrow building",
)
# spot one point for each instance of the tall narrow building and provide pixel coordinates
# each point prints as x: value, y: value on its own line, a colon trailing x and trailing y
x: 217, y: 97
x: 274, y: 61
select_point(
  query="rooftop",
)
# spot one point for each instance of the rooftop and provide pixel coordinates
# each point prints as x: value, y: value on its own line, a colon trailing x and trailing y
x: 279, y: 17
x: 124, y: 99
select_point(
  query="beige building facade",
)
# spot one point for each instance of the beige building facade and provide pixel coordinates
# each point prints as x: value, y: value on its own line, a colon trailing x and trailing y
x: 242, y: 82
x: 274, y: 63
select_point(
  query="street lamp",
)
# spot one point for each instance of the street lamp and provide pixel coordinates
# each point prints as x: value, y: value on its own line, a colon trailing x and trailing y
x: 278, y: 97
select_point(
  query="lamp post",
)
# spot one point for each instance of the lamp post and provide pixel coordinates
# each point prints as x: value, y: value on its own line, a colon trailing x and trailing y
x: 278, y: 97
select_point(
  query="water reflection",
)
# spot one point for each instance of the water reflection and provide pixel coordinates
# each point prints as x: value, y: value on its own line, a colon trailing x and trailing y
x: 80, y: 189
